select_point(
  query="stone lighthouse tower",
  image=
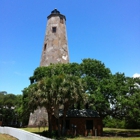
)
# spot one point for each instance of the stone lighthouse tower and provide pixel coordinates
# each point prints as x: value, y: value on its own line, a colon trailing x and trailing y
x: 55, y: 50
x: 55, y: 47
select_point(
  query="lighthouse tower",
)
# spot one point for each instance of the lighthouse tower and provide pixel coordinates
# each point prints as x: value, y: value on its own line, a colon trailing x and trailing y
x: 55, y: 50
x: 55, y: 47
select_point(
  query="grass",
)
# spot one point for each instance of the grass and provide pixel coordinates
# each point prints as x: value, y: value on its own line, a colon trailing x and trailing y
x: 122, y: 132
x: 6, y: 137
x: 109, y: 134
x: 35, y: 130
x: 105, y: 138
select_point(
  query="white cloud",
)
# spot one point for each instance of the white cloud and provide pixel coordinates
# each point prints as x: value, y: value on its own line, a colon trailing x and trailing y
x: 136, y: 75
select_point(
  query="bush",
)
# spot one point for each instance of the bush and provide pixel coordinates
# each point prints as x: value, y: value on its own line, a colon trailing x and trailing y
x: 113, y: 123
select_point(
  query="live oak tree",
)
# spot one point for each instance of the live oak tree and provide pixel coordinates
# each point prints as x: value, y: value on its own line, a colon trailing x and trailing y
x: 55, y: 85
x: 131, y: 103
x: 124, y: 102
x: 97, y: 77
x: 114, y: 96
x: 10, y: 105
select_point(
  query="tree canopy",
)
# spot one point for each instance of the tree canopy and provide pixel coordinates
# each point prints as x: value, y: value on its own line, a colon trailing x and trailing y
x: 89, y: 84
x: 113, y: 96
x: 10, y: 108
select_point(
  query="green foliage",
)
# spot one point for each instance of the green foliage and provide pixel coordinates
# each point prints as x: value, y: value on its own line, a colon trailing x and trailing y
x: 115, y: 96
x: 132, y: 105
x: 53, y: 86
x: 10, y: 105
x: 89, y: 83
x: 113, y: 123
x: 97, y: 78
x: 54, y: 69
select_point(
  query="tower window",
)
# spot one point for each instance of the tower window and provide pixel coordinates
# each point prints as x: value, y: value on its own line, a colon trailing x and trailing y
x: 61, y: 20
x: 45, y: 45
x: 54, y: 29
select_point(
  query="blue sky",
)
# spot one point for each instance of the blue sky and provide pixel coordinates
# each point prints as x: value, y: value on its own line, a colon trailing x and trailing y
x: 106, y: 30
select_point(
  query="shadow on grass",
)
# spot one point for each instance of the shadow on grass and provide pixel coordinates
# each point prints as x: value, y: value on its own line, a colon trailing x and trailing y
x: 122, y: 133
x: 54, y: 135
x: 110, y: 133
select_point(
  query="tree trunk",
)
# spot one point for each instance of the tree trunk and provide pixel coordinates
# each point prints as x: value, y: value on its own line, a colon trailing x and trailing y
x: 59, y: 134
x: 64, y: 118
x: 50, y: 123
x: 64, y: 122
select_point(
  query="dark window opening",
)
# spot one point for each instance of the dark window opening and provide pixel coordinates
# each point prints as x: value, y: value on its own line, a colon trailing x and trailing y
x: 67, y: 124
x: 45, y: 45
x: 61, y: 20
x: 89, y: 124
x: 54, y: 29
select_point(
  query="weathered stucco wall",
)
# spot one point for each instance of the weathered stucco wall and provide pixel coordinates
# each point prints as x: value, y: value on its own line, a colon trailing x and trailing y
x: 55, y: 47
x: 39, y: 117
x: 55, y: 50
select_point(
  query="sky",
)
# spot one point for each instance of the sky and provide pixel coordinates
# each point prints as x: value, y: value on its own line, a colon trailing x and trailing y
x: 106, y: 30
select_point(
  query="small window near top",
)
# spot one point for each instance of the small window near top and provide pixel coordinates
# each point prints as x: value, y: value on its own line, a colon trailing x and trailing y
x: 54, y: 29
x: 45, y: 45
x: 61, y: 20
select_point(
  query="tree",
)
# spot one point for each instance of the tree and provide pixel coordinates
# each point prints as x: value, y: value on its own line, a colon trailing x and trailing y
x: 55, y: 85
x: 71, y: 91
x: 2, y: 94
x: 131, y: 104
x: 97, y: 78
x: 114, y: 96
x: 124, y: 102
x: 9, y: 105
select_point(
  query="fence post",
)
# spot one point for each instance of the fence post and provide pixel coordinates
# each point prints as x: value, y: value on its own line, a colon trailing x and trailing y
x: 95, y: 132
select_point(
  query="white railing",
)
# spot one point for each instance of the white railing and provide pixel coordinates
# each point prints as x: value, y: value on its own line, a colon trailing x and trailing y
x: 21, y: 134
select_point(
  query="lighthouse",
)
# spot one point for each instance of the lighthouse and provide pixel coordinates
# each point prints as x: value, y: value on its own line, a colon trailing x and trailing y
x: 55, y: 50
x: 55, y: 46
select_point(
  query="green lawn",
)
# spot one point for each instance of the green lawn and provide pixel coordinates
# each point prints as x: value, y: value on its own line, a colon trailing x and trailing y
x: 109, y: 134
x: 105, y: 138
x: 35, y: 130
x: 6, y: 137
x: 122, y: 132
